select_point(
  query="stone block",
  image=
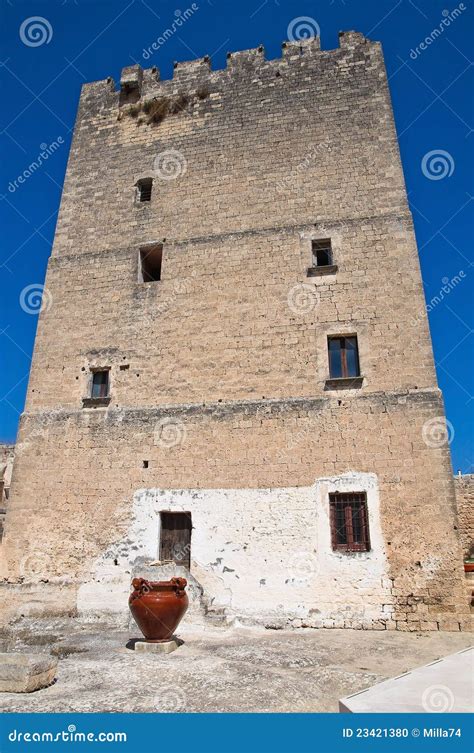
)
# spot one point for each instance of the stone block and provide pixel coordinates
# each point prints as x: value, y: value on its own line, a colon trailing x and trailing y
x: 165, y: 647
x: 23, y: 673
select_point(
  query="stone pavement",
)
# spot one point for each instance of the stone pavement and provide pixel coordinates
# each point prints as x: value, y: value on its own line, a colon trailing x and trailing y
x: 216, y: 669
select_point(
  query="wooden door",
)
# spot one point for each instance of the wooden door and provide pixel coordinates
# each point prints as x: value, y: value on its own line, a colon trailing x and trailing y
x: 175, y: 542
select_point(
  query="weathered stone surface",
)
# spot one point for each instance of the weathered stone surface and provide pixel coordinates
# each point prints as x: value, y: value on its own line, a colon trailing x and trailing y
x: 464, y: 486
x: 23, y: 673
x: 222, y: 670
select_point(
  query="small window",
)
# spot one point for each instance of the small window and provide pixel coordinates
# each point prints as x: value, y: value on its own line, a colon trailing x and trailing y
x: 144, y: 187
x: 150, y: 264
x: 343, y: 357
x: 100, y: 383
x: 349, y: 522
x: 322, y: 253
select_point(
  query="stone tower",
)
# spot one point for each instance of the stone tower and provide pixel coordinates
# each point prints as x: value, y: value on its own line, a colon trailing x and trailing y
x: 234, y: 369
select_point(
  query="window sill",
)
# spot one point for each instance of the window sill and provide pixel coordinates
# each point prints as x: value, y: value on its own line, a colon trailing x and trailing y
x: 95, y: 402
x: 328, y: 269
x: 344, y: 383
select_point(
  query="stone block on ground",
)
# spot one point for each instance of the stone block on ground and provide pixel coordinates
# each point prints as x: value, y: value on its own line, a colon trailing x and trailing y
x: 23, y: 673
x: 165, y: 647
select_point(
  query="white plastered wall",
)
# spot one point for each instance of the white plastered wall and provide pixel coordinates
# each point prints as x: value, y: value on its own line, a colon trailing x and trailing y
x: 262, y: 554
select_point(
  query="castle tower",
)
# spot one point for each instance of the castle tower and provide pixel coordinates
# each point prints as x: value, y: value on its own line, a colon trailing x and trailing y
x: 234, y: 371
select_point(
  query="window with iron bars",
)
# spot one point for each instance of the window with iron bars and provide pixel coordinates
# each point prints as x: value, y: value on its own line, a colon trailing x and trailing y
x: 349, y: 522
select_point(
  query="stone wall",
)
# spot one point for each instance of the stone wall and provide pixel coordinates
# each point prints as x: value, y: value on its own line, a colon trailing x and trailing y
x: 219, y: 371
x: 464, y: 486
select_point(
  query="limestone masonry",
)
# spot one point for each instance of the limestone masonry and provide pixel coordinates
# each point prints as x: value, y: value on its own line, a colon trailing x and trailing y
x: 237, y: 333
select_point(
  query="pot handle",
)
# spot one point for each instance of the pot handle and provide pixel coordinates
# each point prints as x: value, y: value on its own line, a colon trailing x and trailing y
x: 179, y: 584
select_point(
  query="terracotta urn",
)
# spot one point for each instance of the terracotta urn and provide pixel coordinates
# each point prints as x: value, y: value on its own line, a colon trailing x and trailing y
x: 158, y: 606
x: 469, y: 566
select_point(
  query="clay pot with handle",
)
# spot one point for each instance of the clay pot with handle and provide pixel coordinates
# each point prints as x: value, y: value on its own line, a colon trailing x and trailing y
x: 158, y: 606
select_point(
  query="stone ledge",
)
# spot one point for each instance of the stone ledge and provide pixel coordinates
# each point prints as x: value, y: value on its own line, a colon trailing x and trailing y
x: 270, y: 406
x: 24, y: 673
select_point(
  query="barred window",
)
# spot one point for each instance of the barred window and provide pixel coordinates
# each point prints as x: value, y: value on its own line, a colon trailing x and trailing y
x: 349, y: 522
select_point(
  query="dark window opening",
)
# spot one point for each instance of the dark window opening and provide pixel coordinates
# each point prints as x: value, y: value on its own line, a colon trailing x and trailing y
x: 145, y: 463
x: 349, y: 522
x: 322, y: 253
x: 343, y: 357
x: 150, y: 263
x: 100, y: 384
x: 175, y: 541
x: 144, y: 187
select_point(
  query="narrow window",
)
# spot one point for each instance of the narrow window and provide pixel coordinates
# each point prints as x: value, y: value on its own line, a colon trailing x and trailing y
x: 100, y: 383
x: 349, y: 522
x: 144, y: 187
x: 343, y: 357
x: 150, y: 263
x: 175, y: 542
x: 322, y: 253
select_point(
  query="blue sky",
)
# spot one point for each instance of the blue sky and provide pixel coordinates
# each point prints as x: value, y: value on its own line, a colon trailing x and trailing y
x: 44, y: 63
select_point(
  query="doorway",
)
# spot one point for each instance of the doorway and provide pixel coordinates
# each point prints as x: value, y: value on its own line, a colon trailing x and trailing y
x: 175, y: 540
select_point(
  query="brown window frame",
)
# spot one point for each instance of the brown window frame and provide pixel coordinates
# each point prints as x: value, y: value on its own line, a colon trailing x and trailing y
x: 344, y: 369
x: 102, y: 392
x: 349, y: 502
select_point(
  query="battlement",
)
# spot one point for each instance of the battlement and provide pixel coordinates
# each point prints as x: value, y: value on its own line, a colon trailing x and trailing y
x: 136, y: 81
